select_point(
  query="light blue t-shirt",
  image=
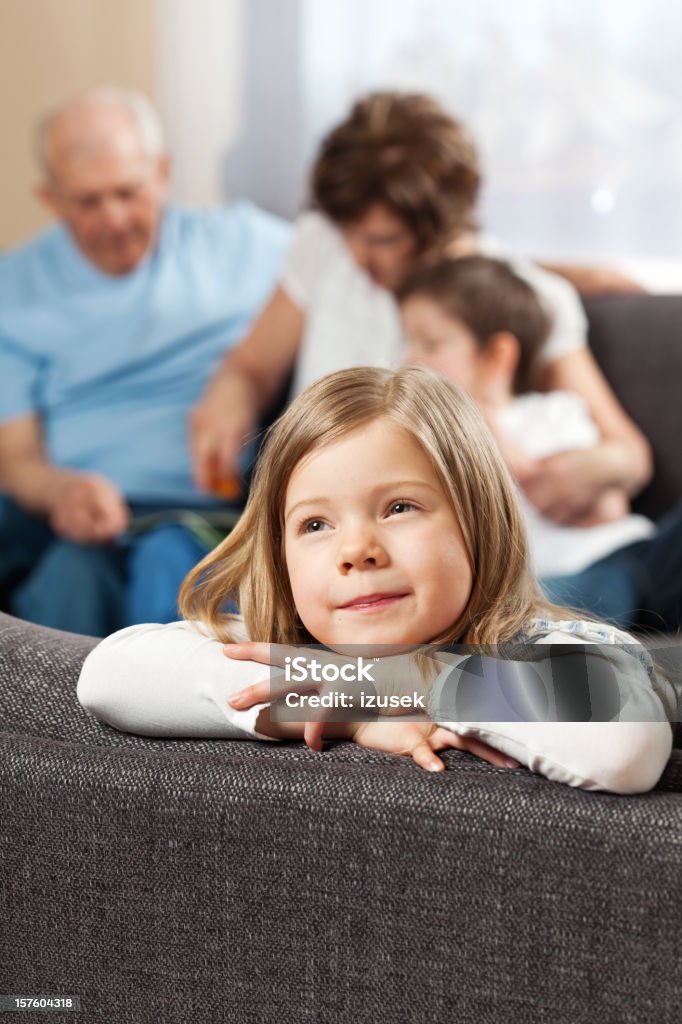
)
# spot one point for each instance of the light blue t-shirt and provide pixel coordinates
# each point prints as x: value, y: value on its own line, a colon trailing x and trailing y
x: 113, y: 365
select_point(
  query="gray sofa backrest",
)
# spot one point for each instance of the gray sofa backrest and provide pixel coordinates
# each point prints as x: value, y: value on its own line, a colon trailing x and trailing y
x: 637, y: 340
x: 187, y: 882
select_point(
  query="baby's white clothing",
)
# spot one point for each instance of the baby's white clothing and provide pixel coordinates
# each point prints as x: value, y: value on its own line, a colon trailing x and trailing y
x: 541, y: 425
x: 174, y: 680
x: 350, y: 321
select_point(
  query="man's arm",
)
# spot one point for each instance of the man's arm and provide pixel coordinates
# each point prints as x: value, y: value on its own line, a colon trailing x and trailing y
x: 80, y: 507
x: 25, y: 473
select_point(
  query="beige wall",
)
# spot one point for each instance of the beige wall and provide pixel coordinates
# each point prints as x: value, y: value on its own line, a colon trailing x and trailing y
x: 199, y: 54
x: 48, y: 50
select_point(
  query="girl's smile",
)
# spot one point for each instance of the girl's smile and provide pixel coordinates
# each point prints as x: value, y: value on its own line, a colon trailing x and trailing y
x: 373, y: 549
x: 373, y: 602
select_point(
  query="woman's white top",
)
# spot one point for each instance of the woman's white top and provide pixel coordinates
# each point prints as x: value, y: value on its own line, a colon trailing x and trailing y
x: 350, y: 321
x: 175, y: 681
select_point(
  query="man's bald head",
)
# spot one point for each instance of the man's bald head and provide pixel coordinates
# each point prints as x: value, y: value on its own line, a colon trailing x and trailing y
x: 106, y: 174
x: 87, y: 121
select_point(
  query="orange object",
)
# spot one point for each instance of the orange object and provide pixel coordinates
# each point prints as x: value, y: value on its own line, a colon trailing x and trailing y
x: 228, y: 488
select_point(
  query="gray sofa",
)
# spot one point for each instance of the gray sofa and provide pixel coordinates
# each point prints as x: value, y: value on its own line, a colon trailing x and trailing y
x: 200, y: 882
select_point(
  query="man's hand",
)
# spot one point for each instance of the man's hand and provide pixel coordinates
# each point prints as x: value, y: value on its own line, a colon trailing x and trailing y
x: 88, y: 509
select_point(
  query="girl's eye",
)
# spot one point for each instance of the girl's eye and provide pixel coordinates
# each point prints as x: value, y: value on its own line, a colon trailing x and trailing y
x: 398, y: 507
x: 313, y: 526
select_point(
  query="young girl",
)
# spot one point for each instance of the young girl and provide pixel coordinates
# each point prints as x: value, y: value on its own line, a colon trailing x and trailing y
x: 380, y: 514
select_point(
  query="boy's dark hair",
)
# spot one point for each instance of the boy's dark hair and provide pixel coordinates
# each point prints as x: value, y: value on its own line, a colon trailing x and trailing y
x: 487, y: 297
x: 403, y: 150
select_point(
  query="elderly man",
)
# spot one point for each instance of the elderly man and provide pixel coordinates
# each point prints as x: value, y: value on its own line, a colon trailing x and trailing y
x: 111, y: 322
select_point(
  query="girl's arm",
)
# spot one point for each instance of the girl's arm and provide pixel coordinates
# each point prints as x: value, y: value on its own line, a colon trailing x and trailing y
x: 618, y: 757
x: 174, y: 681
x: 170, y: 680
x: 625, y: 755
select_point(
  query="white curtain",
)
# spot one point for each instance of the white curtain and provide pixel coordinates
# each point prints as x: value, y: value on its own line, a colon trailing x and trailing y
x: 576, y: 106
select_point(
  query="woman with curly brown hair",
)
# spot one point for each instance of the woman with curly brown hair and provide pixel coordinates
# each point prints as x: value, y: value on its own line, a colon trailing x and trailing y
x: 394, y: 185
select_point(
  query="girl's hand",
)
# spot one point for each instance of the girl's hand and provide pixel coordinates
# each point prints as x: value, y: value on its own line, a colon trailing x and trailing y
x: 420, y: 740
x: 262, y: 692
x: 396, y: 676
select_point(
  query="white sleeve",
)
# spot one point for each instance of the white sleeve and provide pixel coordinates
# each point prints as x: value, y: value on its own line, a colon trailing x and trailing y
x: 624, y: 756
x: 316, y: 241
x: 170, y: 680
x: 562, y: 302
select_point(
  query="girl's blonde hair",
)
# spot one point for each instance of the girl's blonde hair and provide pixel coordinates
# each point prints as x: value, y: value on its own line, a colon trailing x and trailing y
x: 249, y: 566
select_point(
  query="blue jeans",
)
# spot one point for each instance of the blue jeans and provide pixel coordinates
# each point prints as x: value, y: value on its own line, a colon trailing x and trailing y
x: 157, y: 565
x: 639, y: 585
x: 91, y: 589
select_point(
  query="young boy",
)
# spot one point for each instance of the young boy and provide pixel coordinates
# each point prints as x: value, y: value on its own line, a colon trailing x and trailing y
x: 479, y: 324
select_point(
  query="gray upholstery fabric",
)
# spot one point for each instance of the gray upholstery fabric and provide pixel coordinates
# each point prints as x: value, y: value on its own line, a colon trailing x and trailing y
x: 637, y: 340
x: 183, y: 881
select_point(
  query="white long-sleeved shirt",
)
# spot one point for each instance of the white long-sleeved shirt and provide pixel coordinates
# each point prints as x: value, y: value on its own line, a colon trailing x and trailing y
x: 174, y: 680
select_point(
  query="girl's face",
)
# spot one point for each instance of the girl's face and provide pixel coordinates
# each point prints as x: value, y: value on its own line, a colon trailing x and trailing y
x: 442, y: 343
x: 383, y: 245
x: 374, y: 552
